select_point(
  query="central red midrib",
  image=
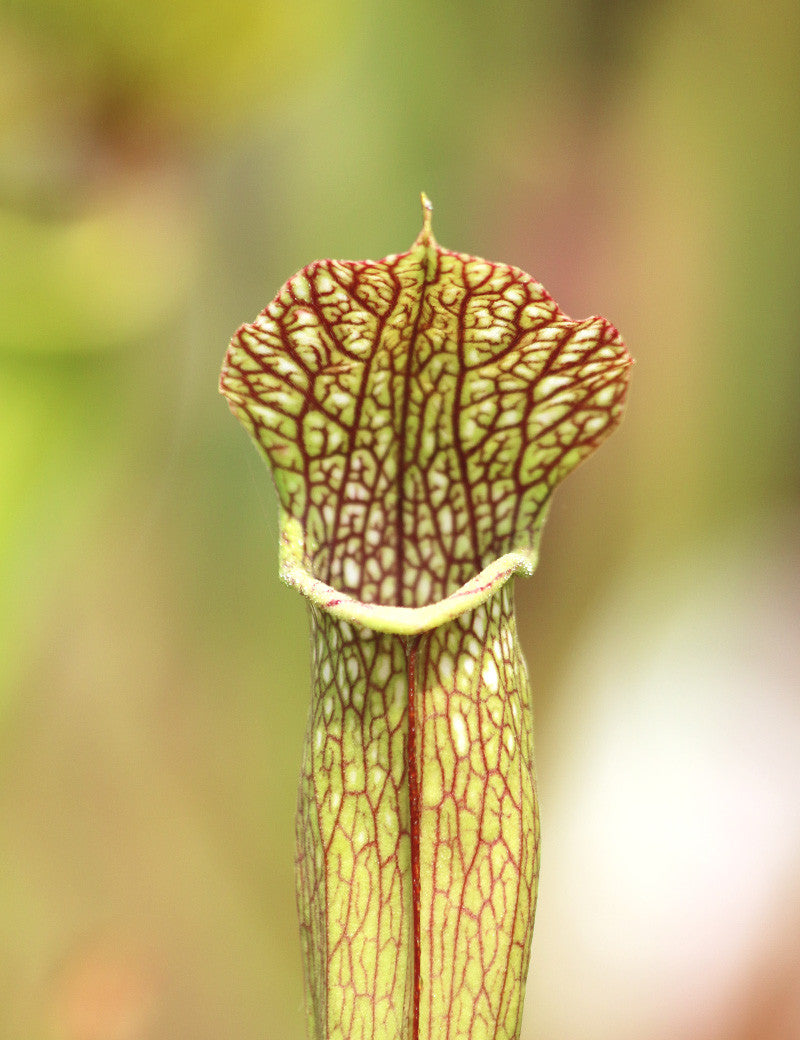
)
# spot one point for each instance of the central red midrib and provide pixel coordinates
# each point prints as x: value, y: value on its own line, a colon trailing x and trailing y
x: 402, y: 436
x: 414, y: 812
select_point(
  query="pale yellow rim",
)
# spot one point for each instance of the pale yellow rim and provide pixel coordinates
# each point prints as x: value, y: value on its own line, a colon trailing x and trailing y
x: 405, y: 621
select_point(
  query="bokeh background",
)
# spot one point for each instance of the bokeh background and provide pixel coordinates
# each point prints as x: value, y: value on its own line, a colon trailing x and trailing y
x: 164, y: 167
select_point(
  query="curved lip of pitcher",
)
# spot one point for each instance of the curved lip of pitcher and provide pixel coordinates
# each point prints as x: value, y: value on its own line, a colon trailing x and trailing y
x: 403, y: 621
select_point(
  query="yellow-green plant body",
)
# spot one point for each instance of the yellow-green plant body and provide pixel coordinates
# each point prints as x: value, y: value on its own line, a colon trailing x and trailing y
x: 417, y: 413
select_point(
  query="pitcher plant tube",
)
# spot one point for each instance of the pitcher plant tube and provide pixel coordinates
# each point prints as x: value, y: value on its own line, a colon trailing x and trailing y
x: 417, y: 413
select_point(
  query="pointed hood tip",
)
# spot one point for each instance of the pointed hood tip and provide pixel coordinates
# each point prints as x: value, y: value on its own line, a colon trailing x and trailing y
x: 425, y: 236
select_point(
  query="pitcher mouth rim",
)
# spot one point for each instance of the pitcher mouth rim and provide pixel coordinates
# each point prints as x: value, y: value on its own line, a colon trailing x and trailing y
x: 404, y: 621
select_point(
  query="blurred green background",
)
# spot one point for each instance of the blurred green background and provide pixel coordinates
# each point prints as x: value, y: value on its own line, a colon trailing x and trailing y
x: 163, y: 169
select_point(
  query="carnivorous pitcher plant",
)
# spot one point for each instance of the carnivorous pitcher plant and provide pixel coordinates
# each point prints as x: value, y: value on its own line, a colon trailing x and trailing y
x: 417, y: 413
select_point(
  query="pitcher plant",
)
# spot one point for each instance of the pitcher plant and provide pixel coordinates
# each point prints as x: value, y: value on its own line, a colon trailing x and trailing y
x: 417, y: 413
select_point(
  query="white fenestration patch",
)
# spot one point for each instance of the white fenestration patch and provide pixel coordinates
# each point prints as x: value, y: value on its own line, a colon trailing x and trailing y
x: 490, y: 675
x: 445, y: 667
x: 382, y: 669
x: 351, y: 573
x: 400, y: 693
x: 424, y: 587
x: 458, y: 727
